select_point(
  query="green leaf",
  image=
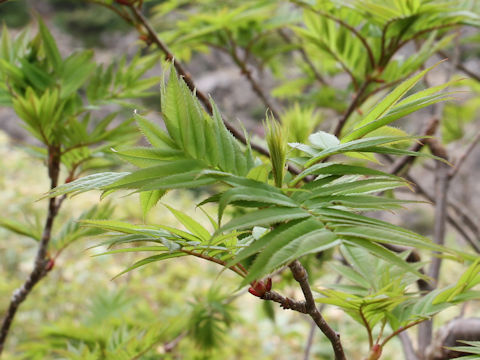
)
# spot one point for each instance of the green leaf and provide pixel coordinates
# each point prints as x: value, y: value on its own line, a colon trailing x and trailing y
x: 283, y: 230
x: 145, y: 177
x: 257, y: 196
x: 311, y: 238
x: 373, y: 120
x: 150, y: 260
x: 323, y: 140
x: 339, y: 169
x: 20, y: 228
x: 148, y: 199
x: 264, y: 217
x: 356, y: 145
x: 190, y: 224
x: 86, y: 183
x: 154, y: 134
x: 51, y: 50
x: 385, y: 254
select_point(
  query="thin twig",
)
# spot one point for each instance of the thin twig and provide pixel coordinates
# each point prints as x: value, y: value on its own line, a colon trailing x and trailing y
x: 248, y: 75
x: 188, y: 79
x: 460, y: 66
x: 441, y: 192
x: 401, y: 163
x: 423, y: 32
x: 300, y: 275
x: 367, y: 326
x: 171, y: 345
x: 353, y: 105
x: 214, y: 260
x: 419, y: 189
x: 464, y: 156
x: 285, y: 302
x: 199, y: 94
x: 42, y: 263
x: 400, y: 330
x: 305, y: 57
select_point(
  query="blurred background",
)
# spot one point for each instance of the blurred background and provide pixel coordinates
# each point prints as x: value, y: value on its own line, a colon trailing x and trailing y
x: 79, y: 303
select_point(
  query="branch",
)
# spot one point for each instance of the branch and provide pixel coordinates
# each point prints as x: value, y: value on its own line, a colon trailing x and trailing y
x: 248, y: 74
x: 367, y: 326
x: 305, y: 58
x: 353, y: 105
x: 449, y: 335
x: 188, y: 79
x: 401, y: 163
x: 461, y: 67
x: 423, y: 32
x: 463, y: 157
x: 43, y: 264
x: 300, y: 275
x: 285, y: 302
x: 400, y: 330
x: 459, y: 225
x: 191, y: 85
x: 441, y: 188
x: 442, y: 181
x: 239, y: 271
x: 169, y: 346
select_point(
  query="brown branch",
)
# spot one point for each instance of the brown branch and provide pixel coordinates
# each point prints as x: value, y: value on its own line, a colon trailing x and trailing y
x: 459, y: 225
x: 400, y: 330
x: 188, y: 79
x: 441, y: 189
x: 42, y: 264
x: 285, y: 302
x: 353, y: 105
x: 405, y: 161
x: 450, y: 335
x: 461, y: 67
x: 464, y: 156
x: 248, y: 75
x: 419, y: 189
x: 191, y: 85
x: 305, y: 57
x: 423, y: 32
x: 442, y: 181
x: 214, y: 260
x: 300, y: 275
x: 171, y: 345
x: 367, y: 326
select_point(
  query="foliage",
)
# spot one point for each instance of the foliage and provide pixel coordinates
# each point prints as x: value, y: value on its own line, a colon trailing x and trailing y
x: 309, y: 194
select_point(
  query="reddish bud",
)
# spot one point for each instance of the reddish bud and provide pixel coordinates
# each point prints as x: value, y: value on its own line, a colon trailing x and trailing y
x: 259, y: 288
x: 123, y: 2
x: 269, y: 284
x: 253, y: 292
x: 50, y: 264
